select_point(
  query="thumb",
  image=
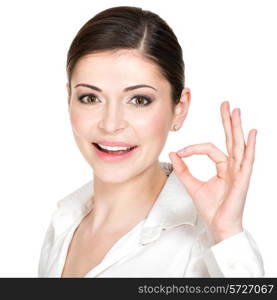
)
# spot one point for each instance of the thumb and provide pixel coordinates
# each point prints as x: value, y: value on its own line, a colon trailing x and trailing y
x: 191, y: 183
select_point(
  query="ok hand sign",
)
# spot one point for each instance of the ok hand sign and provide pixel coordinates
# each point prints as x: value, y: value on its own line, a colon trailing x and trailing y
x: 220, y: 200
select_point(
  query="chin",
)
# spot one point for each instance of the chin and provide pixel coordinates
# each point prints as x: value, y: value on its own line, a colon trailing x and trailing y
x: 115, y: 175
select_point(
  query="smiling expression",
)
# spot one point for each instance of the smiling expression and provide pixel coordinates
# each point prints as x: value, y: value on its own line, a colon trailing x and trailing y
x: 108, y: 102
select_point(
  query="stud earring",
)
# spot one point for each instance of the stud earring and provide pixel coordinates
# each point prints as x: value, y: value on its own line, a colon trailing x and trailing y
x: 175, y: 127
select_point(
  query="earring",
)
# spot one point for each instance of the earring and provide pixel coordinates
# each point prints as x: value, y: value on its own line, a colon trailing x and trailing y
x: 175, y: 127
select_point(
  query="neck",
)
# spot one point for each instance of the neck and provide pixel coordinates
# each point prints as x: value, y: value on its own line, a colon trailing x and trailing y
x: 128, y: 201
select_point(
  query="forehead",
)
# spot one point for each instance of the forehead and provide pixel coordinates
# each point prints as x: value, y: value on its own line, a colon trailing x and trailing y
x: 123, y: 66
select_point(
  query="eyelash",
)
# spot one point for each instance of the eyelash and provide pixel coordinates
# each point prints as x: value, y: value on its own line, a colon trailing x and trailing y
x: 149, y: 101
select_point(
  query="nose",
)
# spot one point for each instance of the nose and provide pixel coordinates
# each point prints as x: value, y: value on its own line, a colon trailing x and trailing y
x: 112, y: 118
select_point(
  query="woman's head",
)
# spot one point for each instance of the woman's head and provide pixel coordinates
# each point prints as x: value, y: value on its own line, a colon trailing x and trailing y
x: 118, y: 48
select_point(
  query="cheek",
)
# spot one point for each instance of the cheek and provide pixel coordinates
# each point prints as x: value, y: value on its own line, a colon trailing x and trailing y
x: 80, y: 123
x: 154, y: 125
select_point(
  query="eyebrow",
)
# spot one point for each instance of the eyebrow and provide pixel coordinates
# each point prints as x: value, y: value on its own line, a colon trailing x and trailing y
x: 129, y: 88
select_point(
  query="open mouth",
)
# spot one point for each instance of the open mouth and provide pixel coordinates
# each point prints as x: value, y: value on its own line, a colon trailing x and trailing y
x: 114, y: 152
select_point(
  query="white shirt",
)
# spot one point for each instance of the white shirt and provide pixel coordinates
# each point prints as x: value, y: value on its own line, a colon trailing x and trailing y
x: 172, y: 241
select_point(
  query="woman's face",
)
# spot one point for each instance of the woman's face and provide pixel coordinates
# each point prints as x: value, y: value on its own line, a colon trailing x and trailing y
x: 141, y: 116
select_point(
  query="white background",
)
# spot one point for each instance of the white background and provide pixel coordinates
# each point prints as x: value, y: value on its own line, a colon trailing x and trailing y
x: 230, y: 54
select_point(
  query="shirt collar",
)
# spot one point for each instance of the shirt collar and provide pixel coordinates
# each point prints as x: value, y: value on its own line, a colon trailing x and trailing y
x: 173, y: 207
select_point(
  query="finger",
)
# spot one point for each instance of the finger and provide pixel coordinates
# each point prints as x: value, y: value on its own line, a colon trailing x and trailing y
x: 238, y: 142
x: 191, y: 183
x: 216, y: 155
x: 249, y: 155
x: 226, y: 120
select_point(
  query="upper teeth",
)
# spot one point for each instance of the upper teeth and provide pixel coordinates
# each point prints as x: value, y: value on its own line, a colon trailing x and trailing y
x: 112, y: 148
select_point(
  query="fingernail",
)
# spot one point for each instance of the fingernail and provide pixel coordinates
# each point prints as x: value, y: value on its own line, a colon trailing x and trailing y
x: 181, y: 151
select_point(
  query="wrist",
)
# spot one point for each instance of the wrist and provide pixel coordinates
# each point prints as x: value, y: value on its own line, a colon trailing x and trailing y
x: 222, y: 235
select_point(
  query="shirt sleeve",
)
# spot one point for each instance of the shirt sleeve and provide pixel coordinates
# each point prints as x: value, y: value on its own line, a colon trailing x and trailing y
x: 236, y: 256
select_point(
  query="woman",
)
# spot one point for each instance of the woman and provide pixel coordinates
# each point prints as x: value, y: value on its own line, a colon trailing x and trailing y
x: 139, y: 217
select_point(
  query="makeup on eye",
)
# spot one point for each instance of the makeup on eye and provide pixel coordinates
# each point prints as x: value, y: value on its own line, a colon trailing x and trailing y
x: 149, y: 101
x: 146, y: 99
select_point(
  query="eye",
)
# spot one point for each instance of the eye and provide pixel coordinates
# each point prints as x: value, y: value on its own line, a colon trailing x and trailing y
x: 89, y: 96
x: 142, y: 100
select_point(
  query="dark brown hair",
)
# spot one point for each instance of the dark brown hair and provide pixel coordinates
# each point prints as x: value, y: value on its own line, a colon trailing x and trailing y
x: 128, y: 27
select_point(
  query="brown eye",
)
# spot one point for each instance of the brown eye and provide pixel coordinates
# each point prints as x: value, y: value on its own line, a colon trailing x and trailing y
x: 90, y: 98
x: 141, y: 100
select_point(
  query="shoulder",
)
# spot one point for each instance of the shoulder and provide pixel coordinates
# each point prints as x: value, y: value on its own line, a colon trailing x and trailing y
x: 77, y: 197
x: 68, y: 210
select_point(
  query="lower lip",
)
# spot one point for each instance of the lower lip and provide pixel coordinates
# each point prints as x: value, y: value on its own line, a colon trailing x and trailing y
x: 108, y: 157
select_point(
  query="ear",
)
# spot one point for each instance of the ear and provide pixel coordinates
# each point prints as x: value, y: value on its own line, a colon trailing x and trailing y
x: 181, y: 109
